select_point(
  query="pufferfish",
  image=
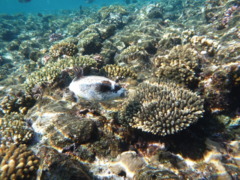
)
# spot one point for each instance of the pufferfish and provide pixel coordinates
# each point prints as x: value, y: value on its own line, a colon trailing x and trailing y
x: 95, y: 88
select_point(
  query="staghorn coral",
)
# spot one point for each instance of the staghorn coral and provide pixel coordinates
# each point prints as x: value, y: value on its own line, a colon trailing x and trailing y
x: 16, y: 102
x: 161, y: 108
x: 63, y: 48
x: 180, y: 65
x: 14, y: 129
x: 53, y: 70
x: 17, y: 162
x: 118, y: 71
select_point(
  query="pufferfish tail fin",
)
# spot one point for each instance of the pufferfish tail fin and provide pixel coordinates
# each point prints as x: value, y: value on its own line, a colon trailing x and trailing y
x: 78, y: 71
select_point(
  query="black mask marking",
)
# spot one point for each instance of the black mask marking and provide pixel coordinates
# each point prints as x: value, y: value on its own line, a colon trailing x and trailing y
x: 104, y: 87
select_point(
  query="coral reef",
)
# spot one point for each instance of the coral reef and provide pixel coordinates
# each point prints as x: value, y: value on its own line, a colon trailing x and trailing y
x: 149, y: 173
x: 61, y: 129
x: 161, y: 109
x: 220, y: 86
x: 16, y: 102
x: 54, y: 71
x: 204, y: 46
x: 55, y: 165
x: 113, y: 14
x: 63, y: 48
x: 223, y: 14
x: 181, y: 65
x: 172, y: 57
x: 15, y: 129
x: 152, y: 11
x: 135, y: 56
x: 90, y: 39
x: 118, y: 71
x: 127, y: 164
x: 17, y: 162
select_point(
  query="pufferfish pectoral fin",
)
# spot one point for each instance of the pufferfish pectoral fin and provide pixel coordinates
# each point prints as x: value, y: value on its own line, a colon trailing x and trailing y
x: 78, y: 71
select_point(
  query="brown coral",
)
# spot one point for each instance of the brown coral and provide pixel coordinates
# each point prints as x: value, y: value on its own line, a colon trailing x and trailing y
x: 17, y: 102
x: 52, y: 73
x: 133, y: 55
x: 17, y: 163
x: 63, y: 48
x: 161, y: 108
x: 180, y: 65
x: 119, y: 71
x: 14, y: 129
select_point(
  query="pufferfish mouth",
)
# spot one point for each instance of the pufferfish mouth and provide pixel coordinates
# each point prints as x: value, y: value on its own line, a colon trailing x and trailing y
x: 124, y: 93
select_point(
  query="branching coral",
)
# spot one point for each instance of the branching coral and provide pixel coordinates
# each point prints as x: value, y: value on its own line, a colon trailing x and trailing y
x: 63, y: 48
x: 53, y: 71
x: 17, y: 102
x: 15, y: 129
x: 161, y: 108
x: 181, y: 65
x: 118, y: 71
x: 133, y: 55
x: 17, y: 163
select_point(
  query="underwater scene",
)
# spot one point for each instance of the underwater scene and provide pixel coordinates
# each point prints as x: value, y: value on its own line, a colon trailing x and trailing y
x: 119, y: 90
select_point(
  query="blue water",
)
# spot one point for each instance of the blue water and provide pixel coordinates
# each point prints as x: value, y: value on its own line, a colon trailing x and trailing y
x: 41, y: 6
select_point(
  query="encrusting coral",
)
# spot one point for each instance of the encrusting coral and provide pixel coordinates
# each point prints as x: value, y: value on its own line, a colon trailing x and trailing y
x: 17, y: 162
x: 15, y: 129
x: 161, y: 108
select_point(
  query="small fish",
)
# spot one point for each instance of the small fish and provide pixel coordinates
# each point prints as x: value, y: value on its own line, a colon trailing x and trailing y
x: 95, y: 88
x: 24, y: 1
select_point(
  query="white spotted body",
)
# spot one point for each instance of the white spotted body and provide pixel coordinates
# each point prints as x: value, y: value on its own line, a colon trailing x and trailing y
x: 95, y: 88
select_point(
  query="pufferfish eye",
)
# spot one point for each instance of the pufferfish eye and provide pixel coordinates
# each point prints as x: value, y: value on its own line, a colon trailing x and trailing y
x: 116, y: 88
